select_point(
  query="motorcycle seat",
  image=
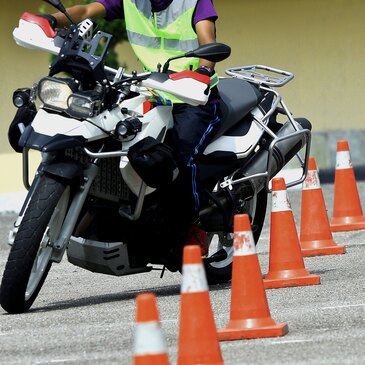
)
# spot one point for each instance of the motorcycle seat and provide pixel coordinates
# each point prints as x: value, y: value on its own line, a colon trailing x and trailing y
x: 238, y: 98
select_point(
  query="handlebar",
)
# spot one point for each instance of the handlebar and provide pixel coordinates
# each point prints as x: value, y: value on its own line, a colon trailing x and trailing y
x: 34, y: 32
x: 121, y: 76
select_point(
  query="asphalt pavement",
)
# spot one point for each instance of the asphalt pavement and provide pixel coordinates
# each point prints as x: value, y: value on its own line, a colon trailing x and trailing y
x: 84, y: 318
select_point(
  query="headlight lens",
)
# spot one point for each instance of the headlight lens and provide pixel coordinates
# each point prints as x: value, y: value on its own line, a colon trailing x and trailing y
x: 54, y: 93
x: 63, y: 95
x: 84, y: 104
x: 21, y: 97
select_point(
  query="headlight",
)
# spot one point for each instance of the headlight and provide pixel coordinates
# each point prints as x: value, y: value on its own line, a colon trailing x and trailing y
x: 54, y: 92
x: 128, y: 127
x: 84, y: 104
x: 21, y: 97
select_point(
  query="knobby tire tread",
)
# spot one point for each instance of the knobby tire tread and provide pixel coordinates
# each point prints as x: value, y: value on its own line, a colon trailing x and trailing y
x: 26, y: 245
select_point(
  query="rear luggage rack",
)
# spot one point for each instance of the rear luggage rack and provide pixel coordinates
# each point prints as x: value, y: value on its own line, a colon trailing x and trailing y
x: 261, y: 75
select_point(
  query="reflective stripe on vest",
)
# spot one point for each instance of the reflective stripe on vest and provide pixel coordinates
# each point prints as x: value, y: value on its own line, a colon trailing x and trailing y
x: 214, y: 80
x: 155, y: 37
x: 155, y: 42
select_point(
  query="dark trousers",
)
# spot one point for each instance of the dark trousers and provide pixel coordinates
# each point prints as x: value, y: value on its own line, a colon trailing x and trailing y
x: 194, y: 127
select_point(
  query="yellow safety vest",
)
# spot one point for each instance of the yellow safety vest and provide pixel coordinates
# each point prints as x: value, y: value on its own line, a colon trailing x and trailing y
x: 156, y: 37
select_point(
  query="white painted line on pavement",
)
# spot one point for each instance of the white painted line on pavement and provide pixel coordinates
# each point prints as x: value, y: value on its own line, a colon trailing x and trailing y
x: 345, y: 306
x: 289, y: 341
x: 55, y: 361
x: 169, y: 320
x: 58, y: 361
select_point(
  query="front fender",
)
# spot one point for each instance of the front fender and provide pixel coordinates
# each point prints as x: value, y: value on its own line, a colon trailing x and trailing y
x: 36, y: 141
x: 66, y: 168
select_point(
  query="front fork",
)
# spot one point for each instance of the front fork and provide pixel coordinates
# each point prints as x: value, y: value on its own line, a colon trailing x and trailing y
x: 73, y: 213
x: 74, y: 209
x: 31, y: 189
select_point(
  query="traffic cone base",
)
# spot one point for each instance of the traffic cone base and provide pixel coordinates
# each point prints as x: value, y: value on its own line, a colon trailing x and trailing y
x: 341, y: 224
x: 286, y: 264
x: 288, y: 278
x: 198, y: 340
x: 250, y: 314
x: 151, y: 360
x: 252, y: 328
x: 347, y: 211
x: 315, y: 233
x: 149, y: 342
x: 321, y: 248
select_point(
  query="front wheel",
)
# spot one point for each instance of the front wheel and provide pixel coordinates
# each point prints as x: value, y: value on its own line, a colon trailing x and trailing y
x: 30, y: 256
x: 221, y: 270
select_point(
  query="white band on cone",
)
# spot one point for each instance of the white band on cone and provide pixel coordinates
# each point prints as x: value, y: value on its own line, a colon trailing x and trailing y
x: 311, y: 182
x: 244, y: 244
x: 343, y: 160
x: 148, y: 339
x: 280, y: 201
x: 194, y: 279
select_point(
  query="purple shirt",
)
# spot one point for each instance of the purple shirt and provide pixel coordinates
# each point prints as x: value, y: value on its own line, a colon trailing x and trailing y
x: 204, y: 9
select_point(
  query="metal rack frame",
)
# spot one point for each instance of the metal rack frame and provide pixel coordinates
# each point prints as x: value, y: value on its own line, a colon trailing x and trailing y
x: 254, y: 73
x: 267, y: 78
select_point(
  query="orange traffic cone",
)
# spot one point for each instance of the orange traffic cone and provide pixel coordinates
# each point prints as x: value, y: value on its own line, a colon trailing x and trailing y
x: 198, y: 339
x: 149, y: 343
x: 250, y: 314
x: 286, y: 265
x: 347, y: 212
x: 315, y: 233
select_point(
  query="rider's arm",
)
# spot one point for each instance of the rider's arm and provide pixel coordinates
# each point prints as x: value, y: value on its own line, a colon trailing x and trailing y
x: 205, y: 30
x: 204, y: 19
x: 78, y: 13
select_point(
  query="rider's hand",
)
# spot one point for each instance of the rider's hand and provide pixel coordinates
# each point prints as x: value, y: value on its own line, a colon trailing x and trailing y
x: 204, y: 70
x: 51, y: 20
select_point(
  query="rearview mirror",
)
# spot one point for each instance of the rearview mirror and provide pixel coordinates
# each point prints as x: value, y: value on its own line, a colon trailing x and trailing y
x: 214, y: 52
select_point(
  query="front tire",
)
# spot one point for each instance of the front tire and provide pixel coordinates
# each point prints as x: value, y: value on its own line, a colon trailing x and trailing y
x: 30, y: 256
x: 221, y: 271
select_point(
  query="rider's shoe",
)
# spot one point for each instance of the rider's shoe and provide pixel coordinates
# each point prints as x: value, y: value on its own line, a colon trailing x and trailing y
x: 197, y: 236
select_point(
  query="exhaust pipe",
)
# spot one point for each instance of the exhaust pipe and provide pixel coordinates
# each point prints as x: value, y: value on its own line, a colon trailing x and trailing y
x: 288, y: 142
x: 283, y: 148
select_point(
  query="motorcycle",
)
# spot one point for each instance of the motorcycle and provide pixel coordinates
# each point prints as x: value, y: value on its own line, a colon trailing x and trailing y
x: 98, y: 193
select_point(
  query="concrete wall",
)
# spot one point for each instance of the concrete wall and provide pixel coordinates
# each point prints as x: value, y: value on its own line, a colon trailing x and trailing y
x: 321, y: 42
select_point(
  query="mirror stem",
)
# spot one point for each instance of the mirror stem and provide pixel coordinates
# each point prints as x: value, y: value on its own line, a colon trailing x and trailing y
x: 166, y: 66
x: 167, y: 63
x: 69, y: 18
x: 59, y: 6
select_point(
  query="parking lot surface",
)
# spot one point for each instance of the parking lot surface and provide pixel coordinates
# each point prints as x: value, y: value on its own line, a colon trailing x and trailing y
x: 84, y: 318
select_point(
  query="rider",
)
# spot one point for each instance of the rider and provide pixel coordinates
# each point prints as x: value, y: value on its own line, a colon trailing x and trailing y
x: 157, y: 30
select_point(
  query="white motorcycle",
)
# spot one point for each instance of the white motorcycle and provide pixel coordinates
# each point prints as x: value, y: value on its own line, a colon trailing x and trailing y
x: 94, y: 197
